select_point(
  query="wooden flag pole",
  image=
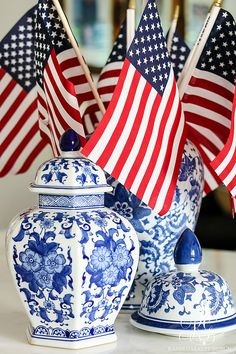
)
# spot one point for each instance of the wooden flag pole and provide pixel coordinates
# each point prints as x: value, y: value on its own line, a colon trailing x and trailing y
x: 79, y: 55
x: 130, y: 23
x: 172, y: 28
x: 193, y: 57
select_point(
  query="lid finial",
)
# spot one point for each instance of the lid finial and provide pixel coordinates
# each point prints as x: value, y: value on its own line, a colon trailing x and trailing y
x: 70, y: 141
x: 188, y: 252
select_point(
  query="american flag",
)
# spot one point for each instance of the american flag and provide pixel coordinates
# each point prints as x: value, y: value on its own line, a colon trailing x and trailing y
x: 64, y: 95
x: 208, y: 98
x: 110, y: 74
x: 108, y: 79
x: 178, y: 54
x: 141, y: 137
x: 225, y: 163
x: 20, y: 141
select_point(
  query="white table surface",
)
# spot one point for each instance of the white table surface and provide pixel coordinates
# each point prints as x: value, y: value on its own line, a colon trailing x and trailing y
x: 13, y: 321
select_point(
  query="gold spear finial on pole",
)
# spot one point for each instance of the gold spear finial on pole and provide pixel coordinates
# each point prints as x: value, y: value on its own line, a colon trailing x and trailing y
x: 218, y: 3
x: 131, y: 4
x: 176, y: 13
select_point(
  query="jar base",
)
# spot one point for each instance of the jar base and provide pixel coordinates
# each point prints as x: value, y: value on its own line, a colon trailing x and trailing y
x: 90, y: 340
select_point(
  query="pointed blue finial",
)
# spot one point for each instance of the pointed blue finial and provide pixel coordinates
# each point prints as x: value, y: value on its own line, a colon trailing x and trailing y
x: 70, y: 141
x: 188, y: 249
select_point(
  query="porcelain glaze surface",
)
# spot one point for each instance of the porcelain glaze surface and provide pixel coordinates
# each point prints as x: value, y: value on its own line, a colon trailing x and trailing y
x: 66, y: 173
x: 72, y: 259
x: 158, y: 235
x: 186, y: 301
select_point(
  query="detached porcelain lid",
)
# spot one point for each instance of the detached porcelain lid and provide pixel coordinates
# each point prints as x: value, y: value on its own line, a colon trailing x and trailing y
x: 188, y: 301
x: 70, y: 173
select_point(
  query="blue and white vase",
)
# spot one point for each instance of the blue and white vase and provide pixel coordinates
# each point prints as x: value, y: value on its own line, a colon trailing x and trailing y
x: 158, y: 234
x: 72, y: 259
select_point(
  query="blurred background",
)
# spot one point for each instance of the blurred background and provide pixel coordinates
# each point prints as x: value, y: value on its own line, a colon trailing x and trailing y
x: 95, y: 24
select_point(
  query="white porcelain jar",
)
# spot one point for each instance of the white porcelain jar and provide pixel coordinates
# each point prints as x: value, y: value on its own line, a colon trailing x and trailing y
x: 72, y: 259
x: 158, y: 234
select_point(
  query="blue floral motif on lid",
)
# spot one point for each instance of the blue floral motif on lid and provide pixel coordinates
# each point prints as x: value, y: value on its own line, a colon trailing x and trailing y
x: 88, y: 172
x: 157, y: 298
x: 57, y: 172
x: 183, y: 292
x: 184, y: 285
x: 54, y: 171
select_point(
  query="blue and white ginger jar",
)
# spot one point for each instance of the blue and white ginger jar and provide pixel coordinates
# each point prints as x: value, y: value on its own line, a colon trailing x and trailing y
x: 158, y: 234
x: 72, y: 259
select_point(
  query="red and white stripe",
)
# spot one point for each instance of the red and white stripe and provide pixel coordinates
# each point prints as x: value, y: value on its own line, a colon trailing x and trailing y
x: 106, y: 86
x: 73, y: 71
x: 58, y: 102
x: 140, y: 138
x: 20, y: 140
x: 225, y: 162
x: 108, y: 80
x: 207, y: 105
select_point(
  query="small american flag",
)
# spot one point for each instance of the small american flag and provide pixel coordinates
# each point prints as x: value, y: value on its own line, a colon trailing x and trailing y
x: 64, y: 95
x: 141, y: 137
x: 225, y: 162
x: 110, y: 74
x: 107, y: 80
x: 20, y: 141
x: 178, y: 54
x: 208, y: 98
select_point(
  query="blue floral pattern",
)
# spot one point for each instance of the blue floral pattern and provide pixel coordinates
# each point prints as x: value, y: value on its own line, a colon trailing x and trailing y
x: 54, y: 171
x: 89, y: 172
x: 101, y: 258
x: 179, y: 292
x: 127, y: 205
x: 31, y: 261
x: 158, y: 235
x: 215, y: 295
x: 43, y: 272
x: 110, y: 265
x: 157, y: 298
x: 73, y: 259
x: 44, y: 267
x: 58, y: 171
x: 54, y: 262
x: 184, y: 285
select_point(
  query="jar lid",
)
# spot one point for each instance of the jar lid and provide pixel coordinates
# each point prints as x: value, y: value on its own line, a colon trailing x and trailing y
x: 188, y: 301
x: 70, y: 173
